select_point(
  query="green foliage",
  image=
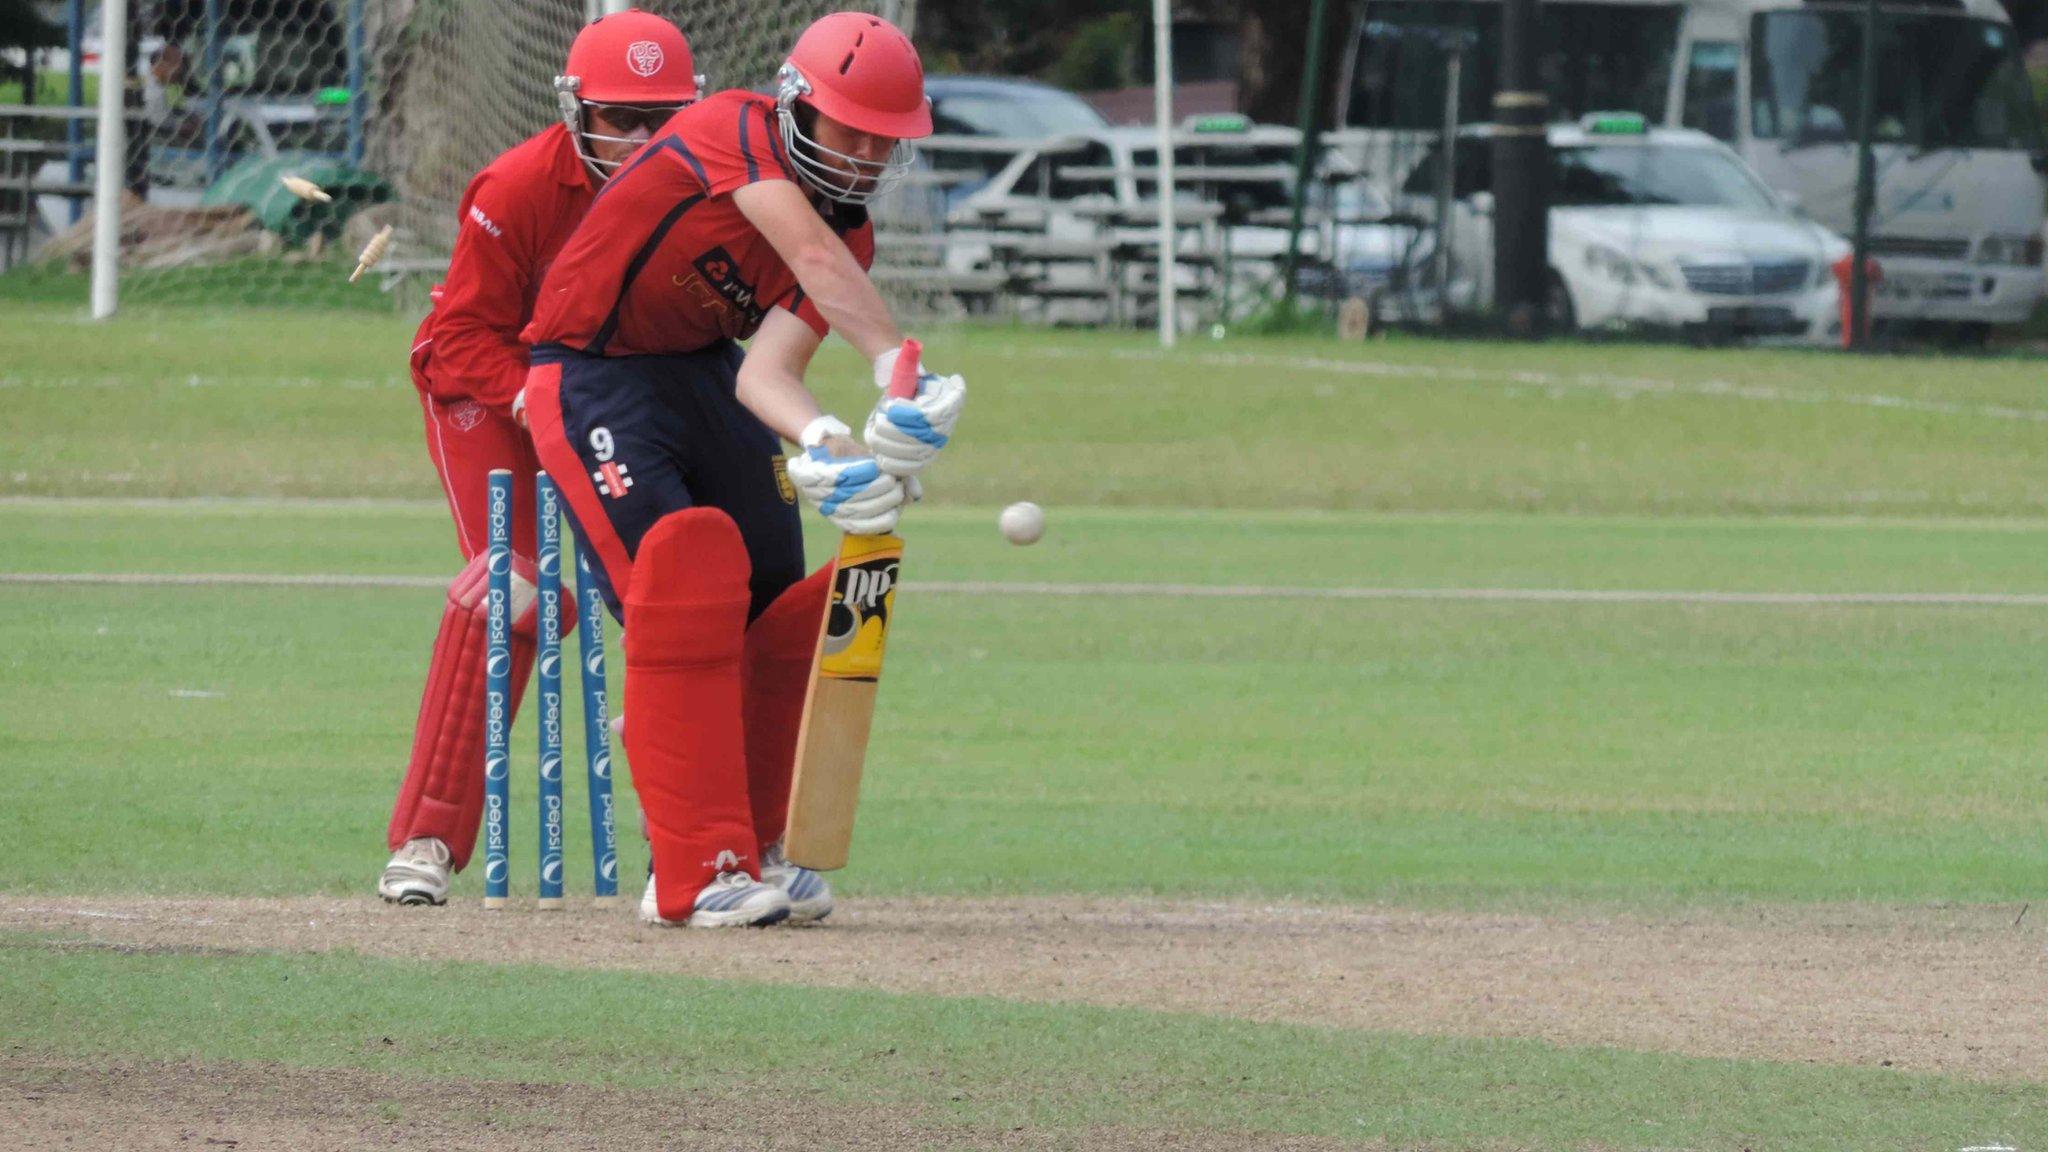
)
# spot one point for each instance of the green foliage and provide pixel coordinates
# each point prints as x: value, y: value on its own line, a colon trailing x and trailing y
x: 1277, y: 316
x: 22, y: 25
x: 1100, y: 54
x: 53, y: 88
x: 1029, y: 37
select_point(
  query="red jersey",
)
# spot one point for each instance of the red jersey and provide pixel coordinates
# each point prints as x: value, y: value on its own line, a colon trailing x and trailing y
x: 665, y: 262
x: 516, y: 214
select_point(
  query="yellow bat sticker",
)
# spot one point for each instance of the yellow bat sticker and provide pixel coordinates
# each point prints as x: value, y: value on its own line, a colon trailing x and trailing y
x: 863, y: 592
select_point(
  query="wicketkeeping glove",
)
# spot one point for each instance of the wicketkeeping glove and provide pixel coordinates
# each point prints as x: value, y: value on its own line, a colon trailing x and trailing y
x: 906, y: 435
x: 851, y: 491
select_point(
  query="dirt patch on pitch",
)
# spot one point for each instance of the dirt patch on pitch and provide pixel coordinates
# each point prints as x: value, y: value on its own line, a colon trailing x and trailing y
x: 1956, y: 991
x: 55, y: 1103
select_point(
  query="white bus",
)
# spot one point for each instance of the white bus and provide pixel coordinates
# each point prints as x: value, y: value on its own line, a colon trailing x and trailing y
x: 1959, y: 145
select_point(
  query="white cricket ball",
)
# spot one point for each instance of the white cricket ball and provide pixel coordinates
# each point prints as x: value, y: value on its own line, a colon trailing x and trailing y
x: 1022, y: 522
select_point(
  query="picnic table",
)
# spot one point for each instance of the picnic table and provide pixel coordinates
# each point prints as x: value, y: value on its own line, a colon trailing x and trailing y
x: 1050, y: 268
x: 21, y: 165
x: 1145, y: 213
x: 1186, y: 173
x: 1004, y: 213
x: 25, y: 147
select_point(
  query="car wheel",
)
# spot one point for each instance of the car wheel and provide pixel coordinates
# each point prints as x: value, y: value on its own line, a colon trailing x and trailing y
x: 1967, y: 337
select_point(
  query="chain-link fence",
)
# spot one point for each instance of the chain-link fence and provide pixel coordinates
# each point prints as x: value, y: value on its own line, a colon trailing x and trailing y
x: 388, y: 106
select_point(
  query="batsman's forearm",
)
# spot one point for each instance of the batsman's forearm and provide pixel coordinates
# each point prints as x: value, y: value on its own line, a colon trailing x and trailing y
x: 778, y: 398
x: 844, y: 295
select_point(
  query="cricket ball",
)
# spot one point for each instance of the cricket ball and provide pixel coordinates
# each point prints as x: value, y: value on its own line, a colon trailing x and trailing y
x: 1022, y: 522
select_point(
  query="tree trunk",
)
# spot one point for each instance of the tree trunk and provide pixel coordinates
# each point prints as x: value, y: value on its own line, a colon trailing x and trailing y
x: 1275, y: 38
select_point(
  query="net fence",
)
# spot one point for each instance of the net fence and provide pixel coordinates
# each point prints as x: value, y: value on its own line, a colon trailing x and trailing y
x: 389, y: 107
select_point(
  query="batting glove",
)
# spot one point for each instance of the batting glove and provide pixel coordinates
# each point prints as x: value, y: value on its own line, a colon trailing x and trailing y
x: 851, y: 491
x: 906, y: 435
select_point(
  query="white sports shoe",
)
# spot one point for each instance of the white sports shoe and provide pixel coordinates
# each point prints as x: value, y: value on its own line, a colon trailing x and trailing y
x: 734, y: 900
x: 810, y: 898
x: 417, y: 874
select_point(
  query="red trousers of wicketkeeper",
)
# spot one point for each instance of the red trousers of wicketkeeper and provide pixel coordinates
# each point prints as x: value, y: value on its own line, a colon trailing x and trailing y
x: 442, y: 795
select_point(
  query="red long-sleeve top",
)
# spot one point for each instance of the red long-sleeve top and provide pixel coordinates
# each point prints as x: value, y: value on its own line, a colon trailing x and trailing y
x: 516, y: 214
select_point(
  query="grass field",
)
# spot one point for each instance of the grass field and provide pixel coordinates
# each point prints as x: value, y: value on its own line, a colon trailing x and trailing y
x: 1567, y: 747
x: 52, y: 87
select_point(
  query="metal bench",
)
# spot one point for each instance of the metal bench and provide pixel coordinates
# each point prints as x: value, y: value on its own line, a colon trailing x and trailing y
x: 21, y: 163
x: 29, y: 140
x: 394, y: 271
x: 976, y: 291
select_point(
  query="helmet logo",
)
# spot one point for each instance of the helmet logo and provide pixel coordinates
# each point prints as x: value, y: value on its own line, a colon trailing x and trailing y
x: 644, y: 57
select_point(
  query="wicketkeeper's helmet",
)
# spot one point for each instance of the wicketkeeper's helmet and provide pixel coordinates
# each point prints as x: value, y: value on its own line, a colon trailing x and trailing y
x: 632, y: 58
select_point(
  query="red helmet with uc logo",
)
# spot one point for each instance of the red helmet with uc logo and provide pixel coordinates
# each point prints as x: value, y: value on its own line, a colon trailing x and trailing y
x: 632, y: 57
x: 863, y: 72
x: 627, y: 58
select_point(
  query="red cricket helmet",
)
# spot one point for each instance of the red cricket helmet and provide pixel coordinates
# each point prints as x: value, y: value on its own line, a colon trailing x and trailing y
x: 632, y: 57
x: 629, y: 58
x: 863, y: 72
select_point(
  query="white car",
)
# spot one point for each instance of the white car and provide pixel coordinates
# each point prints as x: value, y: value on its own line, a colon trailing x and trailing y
x: 1651, y: 227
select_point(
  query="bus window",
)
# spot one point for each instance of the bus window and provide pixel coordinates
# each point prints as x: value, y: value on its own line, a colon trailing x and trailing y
x: 1949, y: 81
x: 1710, y: 87
x: 1594, y: 57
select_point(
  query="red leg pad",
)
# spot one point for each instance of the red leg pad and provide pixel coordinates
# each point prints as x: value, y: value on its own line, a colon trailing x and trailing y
x: 443, y: 792
x: 686, y: 621
x: 775, y: 673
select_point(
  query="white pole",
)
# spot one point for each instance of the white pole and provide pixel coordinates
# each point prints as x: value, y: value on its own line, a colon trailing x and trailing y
x: 612, y: 7
x: 1162, y: 110
x: 112, y: 159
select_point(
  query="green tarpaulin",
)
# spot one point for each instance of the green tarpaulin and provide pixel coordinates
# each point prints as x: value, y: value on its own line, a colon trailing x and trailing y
x: 255, y: 184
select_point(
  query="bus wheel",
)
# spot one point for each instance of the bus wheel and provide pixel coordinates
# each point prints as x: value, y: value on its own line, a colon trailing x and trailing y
x: 1966, y: 336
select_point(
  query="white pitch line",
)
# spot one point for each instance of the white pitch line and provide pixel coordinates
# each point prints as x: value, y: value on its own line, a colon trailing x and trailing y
x: 1113, y: 590
x: 74, y: 505
x: 244, y: 579
x: 1528, y: 595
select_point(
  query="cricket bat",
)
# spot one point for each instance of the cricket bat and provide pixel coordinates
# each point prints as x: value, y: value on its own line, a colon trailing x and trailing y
x: 846, y: 670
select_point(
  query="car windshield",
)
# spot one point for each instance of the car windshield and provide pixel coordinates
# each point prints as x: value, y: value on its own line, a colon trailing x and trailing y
x: 1025, y: 113
x: 1601, y: 175
x: 1948, y: 82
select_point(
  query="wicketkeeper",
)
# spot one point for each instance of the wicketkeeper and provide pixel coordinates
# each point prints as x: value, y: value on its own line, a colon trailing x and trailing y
x: 626, y: 75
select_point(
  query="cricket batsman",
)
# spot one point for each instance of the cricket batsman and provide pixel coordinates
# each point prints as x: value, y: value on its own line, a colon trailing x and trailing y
x: 627, y: 73
x: 744, y: 218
